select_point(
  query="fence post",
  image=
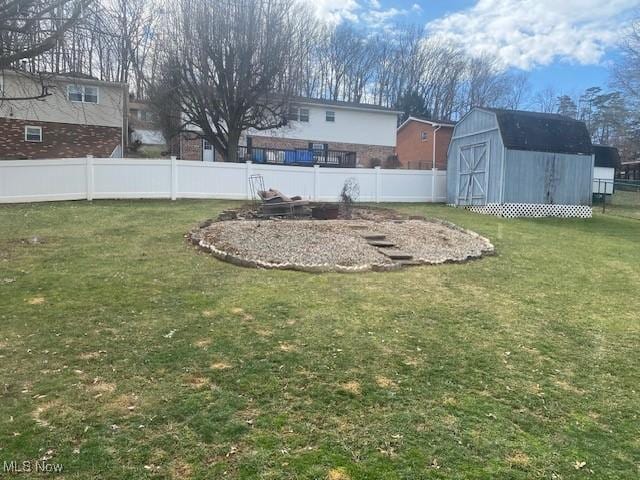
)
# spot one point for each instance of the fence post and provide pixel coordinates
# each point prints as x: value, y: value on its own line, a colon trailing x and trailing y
x: 433, y: 184
x: 316, y: 173
x: 248, y: 171
x: 174, y: 178
x: 378, y: 183
x: 89, y: 171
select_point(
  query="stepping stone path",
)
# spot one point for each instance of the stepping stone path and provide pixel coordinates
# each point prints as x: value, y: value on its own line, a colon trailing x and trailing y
x: 388, y: 248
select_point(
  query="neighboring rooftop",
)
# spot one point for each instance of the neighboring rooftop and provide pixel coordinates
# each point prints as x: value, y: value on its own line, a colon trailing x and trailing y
x: 342, y: 104
x: 430, y: 121
x: 606, y: 156
x: 542, y: 132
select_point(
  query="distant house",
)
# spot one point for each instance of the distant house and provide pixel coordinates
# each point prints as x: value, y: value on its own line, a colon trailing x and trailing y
x: 517, y: 163
x: 143, y: 123
x: 422, y: 143
x: 81, y: 116
x: 318, y: 131
x: 607, y: 160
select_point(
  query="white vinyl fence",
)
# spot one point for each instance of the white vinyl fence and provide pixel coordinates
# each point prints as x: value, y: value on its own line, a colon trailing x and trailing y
x: 94, y: 178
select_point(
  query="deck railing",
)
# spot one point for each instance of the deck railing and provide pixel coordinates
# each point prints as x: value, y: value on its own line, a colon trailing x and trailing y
x: 298, y: 157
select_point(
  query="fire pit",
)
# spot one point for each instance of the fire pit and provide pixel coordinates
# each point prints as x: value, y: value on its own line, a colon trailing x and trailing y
x: 373, y: 239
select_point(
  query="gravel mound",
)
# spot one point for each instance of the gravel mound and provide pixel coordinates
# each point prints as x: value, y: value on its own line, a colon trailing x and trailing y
x: 336, y: 245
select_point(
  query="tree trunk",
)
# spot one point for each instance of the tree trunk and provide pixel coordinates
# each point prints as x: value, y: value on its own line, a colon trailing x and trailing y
x: 233, y: 141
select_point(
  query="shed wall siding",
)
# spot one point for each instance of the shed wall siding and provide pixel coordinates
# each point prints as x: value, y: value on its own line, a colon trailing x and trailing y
x: 548, y: 178
x: 476, y: 121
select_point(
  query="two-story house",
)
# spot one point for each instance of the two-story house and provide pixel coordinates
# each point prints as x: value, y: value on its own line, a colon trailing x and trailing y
x: 80, y: 116
x: 322, y: 127
x: 423, y: 143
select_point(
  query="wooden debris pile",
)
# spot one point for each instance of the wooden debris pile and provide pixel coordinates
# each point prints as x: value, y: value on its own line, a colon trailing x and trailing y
x: 277, y: 204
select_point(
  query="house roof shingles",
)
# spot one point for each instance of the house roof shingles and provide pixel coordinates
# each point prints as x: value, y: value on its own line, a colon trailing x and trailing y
x: 606, y: 156
x: 542, y: 132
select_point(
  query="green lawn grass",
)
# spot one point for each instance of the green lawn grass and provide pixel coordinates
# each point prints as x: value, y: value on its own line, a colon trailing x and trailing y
x: 124, y: 353
x: 624, y: 204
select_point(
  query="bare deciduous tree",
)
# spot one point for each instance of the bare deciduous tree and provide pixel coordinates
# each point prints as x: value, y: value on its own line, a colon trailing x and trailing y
x: 546, y: 100
x: 237, y: 65
x: 30, y: 28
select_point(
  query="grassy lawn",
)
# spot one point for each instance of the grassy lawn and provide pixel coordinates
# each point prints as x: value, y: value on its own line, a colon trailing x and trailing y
x: 624, y: 204
x: 124, y: 353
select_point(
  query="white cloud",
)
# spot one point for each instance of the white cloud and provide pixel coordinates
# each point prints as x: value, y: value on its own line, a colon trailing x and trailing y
x: 370, y: 12
x: 378, y: 18
x: 529, y: 33
x: 334, y: 11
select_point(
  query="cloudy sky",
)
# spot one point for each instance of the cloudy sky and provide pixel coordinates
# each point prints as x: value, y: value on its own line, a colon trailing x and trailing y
x: 566, y: 44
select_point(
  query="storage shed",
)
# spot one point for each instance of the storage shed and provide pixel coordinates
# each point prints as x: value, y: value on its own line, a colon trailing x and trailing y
x: 516, y: 163
x: 607, y: 160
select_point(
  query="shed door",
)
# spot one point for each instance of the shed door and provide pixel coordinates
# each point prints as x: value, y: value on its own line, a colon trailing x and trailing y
x: 472, y: 177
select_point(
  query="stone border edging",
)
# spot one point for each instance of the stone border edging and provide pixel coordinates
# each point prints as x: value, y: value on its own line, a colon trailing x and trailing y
x: 225, y: 256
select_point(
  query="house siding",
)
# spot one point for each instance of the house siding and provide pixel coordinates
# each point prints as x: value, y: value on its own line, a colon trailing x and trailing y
x: 59, y: 140
x: 351, y: 126
x: 56, y: 108
x: 413, y: 152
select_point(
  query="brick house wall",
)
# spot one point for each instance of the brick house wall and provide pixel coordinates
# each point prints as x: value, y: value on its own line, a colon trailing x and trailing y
x: 192, y: 148
x: 364, y: 153
x: 414, y: 152
x: 59, y: 140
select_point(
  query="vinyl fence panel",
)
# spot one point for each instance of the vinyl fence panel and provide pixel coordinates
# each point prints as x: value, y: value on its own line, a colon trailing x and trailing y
x: 89, y: 178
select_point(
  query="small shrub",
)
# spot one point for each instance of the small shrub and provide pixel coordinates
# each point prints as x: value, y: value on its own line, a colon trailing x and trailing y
x: 392, y: 162
x: 349, y: 195
x: 135, y: 145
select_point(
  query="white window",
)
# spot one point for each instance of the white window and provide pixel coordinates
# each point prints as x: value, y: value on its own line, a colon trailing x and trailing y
x: 82, y: 93
x: 74, y: 93
x: 32, y: 134
x: 330, y: 116
x: 424, y: 136
x: 298, y: 114
x: 293, y: 113
x: 90, y: 94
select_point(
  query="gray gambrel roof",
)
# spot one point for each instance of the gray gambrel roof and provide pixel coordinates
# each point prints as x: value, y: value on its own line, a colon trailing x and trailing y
x: 542, y: 132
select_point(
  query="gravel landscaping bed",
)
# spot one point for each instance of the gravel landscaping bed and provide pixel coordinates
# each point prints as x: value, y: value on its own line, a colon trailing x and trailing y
x: 336, y: 245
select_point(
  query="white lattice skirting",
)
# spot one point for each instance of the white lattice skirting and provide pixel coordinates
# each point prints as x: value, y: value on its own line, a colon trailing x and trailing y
x: 514, y: 210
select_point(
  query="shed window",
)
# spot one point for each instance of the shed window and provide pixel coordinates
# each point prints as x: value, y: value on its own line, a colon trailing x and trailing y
x: 330, y: 116
x: 304, y: 114
x: 32, y: 134
x: 82, y: 93
x: 424, y: 136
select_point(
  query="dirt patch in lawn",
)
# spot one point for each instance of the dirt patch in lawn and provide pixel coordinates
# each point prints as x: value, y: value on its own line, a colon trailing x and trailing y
x: 371, y: 240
